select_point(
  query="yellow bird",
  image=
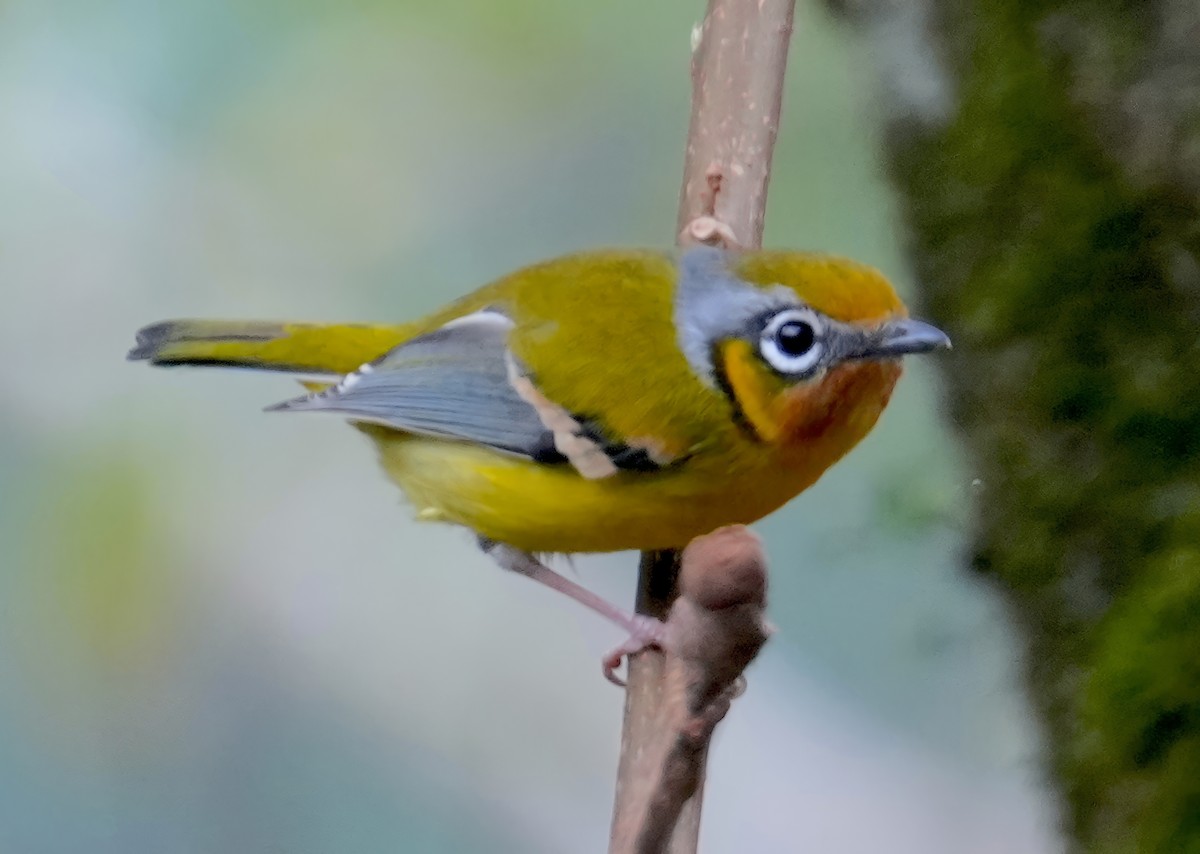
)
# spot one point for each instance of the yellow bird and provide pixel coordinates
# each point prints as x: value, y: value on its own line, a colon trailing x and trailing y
x: 606, y: 400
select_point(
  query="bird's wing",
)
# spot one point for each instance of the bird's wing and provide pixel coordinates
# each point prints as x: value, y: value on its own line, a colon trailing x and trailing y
x: 462, y: 382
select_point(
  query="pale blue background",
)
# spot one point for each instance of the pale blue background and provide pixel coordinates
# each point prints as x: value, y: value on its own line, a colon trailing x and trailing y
x: 219, y: 630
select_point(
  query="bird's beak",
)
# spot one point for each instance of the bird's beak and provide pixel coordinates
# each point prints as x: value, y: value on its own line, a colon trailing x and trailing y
x: 901, y: 338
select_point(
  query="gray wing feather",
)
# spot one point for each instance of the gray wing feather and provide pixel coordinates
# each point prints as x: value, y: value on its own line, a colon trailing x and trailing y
x: 451, y: 383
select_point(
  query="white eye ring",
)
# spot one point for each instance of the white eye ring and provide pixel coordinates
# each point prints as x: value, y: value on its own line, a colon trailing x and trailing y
x: 780, y: 346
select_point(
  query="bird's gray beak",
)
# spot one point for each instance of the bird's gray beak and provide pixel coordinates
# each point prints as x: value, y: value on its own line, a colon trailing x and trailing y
x: 902, y: 338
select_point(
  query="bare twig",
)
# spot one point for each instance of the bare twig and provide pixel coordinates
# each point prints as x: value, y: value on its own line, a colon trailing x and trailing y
x: 738, y: 67
x: 738, y: 63
x: 713, y: 630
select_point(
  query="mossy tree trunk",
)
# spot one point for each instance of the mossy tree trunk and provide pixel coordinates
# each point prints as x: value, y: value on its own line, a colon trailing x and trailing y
x: 1047, y: 157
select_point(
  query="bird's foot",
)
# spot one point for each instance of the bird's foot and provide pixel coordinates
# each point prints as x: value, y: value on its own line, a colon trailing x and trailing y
x: 644, y: 633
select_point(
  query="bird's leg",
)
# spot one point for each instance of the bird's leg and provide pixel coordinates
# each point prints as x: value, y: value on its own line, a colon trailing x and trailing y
x: 643, y: 631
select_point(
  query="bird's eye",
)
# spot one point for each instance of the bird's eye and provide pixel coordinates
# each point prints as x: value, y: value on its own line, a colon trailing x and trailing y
x: 790, y: 341
x: 795, y: 338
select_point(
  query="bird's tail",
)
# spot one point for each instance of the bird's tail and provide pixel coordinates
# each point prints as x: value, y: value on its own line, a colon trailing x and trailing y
x: 303, y: 348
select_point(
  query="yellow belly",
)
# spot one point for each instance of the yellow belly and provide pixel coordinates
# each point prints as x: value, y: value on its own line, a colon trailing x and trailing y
x: 543, y: 508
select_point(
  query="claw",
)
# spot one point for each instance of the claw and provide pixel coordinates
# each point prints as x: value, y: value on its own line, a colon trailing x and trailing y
x: 645, y: 632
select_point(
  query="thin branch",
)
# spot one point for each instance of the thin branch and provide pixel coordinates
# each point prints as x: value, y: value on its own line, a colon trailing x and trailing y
x: 738, y: 68
x: 739, y: 58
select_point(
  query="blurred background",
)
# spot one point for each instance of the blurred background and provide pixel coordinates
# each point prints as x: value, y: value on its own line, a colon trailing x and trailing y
x: 221, y: 631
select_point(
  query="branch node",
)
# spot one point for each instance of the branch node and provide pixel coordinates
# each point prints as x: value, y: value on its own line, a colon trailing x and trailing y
x: 708, y: 230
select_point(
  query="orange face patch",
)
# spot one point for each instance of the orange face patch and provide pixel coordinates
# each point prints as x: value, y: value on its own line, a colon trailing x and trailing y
x: 754, y: 390
x: 847, y: 397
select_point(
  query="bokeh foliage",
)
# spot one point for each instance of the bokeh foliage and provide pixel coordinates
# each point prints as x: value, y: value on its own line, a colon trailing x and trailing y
x: 220, y: 631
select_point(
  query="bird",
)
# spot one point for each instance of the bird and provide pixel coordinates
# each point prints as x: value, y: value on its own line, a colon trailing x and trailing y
x: 604, y: 400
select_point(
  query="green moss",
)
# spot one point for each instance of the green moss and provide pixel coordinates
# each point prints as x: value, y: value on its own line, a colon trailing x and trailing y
x: 1139, y: 710
x: 1076, y: 384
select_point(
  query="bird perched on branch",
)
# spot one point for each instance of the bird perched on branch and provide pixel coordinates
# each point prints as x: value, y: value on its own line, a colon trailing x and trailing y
x: 607, y: 400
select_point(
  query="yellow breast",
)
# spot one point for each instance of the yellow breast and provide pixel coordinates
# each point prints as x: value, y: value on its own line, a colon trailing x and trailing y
x: 540, y: 508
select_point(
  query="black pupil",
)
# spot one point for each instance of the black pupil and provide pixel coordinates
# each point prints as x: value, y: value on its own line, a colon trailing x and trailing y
x: 795, y: 338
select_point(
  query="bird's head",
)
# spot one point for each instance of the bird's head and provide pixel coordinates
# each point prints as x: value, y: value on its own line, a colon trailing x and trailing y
x: 806, y: 347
